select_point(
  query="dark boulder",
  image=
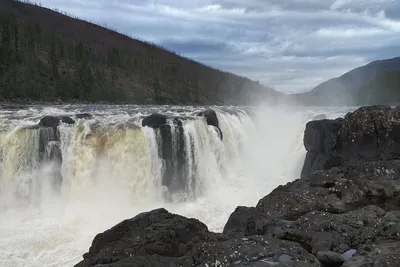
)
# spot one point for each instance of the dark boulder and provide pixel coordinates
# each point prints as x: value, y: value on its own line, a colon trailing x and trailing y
x: 157, y: 232
x: 154, y: 120
x: 367, y: 134
x: 212, y: 119
x: 84, y: 116
x: 241, y: 222
x: 54, y: 122
x: 330, y: 259
x: 320, y: 138
x: 159, y: 238
x: 67, y: 120
x: 49, y: 121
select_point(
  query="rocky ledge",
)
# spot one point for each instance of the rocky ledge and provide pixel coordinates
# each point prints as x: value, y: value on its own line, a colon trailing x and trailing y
x: 343, y: 211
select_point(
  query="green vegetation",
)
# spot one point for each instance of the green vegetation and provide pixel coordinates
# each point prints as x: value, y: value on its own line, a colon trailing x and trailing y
x: 40, y: 65
x: 383, y: 89
x: 47, y: 56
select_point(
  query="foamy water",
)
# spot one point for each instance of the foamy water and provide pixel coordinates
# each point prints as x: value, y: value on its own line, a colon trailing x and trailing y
x: 111, y: 171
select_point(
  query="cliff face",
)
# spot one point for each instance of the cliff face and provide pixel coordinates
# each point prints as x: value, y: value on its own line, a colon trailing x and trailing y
x: 45, y: 55
x: 365, y: 85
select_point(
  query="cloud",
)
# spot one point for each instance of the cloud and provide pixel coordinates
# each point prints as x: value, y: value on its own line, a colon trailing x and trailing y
x: 289, y: 45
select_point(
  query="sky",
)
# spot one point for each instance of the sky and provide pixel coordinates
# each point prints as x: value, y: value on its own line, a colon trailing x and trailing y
x: 288, y: 45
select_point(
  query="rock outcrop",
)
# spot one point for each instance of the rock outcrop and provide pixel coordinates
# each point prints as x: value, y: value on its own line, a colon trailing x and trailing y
x: 53, y: 121
x: 344, y: 211
x: 159, y: 238
x: 347, y: 201
x: 154, y: 121
x: 367, y: 134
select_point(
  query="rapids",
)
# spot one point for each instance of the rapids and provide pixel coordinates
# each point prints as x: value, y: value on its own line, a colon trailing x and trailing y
x: 59, y: 189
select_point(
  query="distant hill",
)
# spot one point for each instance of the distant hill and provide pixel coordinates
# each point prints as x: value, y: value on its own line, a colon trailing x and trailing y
x: 363, y: 85
x: 48, y: 56
x: 384, y: 89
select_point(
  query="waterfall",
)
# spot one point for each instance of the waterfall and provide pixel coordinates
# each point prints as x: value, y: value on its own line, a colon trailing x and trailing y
x: 60, y: 186
x: 177, y: 161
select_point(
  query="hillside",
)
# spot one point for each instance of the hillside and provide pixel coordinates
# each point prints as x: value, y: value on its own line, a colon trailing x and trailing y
x: 346, y: 88
x: 384, y: 89
x: 47, y: 56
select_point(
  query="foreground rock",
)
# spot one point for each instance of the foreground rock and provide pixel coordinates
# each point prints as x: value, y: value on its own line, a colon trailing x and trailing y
x: 330, y: 258
x: 159, y: 238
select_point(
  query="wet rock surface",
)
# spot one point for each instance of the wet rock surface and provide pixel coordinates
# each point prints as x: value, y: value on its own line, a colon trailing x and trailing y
x: 154, y: 120
x: 172, y: 149
x: 53, y: 122
x: 212, y: 119
x: 344, y: 211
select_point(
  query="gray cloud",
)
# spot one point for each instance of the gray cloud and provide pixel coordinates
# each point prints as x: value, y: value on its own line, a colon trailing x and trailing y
x: 289, y: 45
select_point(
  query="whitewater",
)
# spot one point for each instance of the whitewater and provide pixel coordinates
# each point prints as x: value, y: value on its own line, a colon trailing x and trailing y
x: 111, y: 170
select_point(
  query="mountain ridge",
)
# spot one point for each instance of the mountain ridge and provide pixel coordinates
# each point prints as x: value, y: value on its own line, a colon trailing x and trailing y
x: 346, y: 88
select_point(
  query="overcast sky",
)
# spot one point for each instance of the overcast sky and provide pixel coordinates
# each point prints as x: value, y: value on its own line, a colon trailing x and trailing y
x: 289, y: 45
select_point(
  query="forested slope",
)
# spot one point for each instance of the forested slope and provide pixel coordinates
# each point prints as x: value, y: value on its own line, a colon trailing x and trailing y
x: 47, y: 56
x: 384, y: 89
